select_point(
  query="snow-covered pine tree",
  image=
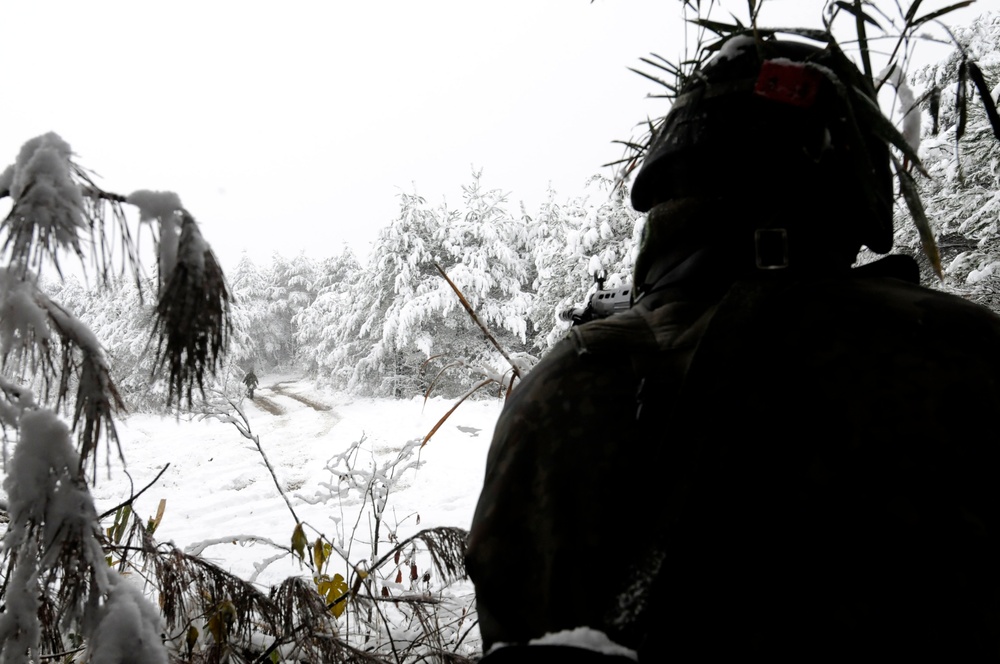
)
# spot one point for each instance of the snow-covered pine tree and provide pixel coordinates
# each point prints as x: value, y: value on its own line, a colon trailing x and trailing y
x: 374, y: 350
x: 478, y: 247
x: 402, y: 313
x: 56, y: 581
x: 291, y: 291
x: 596, y: 232
x: 558, y: 279
x: 318, y: 325
x: 252, y: 344
x: 962, y: 196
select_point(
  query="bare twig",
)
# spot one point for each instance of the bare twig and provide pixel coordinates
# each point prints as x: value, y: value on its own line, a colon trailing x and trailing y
x: 243, y: 426
x: 475, y: 318
x: 475, y: 388
x: 65, y: 653
x: 133, y: 498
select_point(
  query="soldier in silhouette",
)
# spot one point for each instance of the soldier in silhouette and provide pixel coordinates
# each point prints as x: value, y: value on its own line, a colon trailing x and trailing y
x: 250, y: 380
x: 773, y: 453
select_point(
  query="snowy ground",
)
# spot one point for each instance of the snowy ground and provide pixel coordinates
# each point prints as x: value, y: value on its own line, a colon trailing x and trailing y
x: 220, y: 496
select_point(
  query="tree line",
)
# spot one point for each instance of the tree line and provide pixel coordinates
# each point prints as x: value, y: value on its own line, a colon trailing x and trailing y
x: 392, y: 326
x: 388, y: 326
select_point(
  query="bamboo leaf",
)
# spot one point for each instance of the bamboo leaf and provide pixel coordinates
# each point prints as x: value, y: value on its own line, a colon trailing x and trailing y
x: 941, y: 12
x: 719, y: 28
x: 912, y: 11
x: 193, y: 322
x: 859, y: 24
x: 870, y: 115
x: 754, y: 8
x: 857, y: 12
x: 631, y: 145
x: 154, y: 522
x: 616, y: 162
x: 653, y: 78
x: 960, y: 101
x: 191, y: 639
x: 908, y: 188
x: 220, y: 624
x: 935, y: 104
x: 668, y: 67
x: 984, y: 93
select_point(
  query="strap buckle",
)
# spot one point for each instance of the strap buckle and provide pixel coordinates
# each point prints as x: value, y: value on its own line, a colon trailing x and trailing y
x: 771, y: 248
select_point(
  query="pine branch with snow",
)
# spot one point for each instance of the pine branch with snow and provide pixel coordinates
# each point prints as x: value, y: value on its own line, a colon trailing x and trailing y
x: 52, y: 541
x: 57, y: 581
x: 192, y: 325
x: 48, y: 210
x: 40, y: 338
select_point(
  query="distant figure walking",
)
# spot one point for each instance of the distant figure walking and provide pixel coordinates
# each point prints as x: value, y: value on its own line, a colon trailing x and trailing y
x: 251, y: 382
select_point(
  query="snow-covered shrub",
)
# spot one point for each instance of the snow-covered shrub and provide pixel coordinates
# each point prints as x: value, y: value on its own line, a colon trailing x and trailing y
x: 56, y: 585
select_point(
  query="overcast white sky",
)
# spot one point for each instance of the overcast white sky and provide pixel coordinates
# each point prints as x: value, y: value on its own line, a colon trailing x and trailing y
x: 293, y: 126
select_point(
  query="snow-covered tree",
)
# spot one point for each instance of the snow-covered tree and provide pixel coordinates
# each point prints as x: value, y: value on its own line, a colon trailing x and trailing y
x: 253, y: 344
x: 391, y: 327
x: 479, y: 249
x: 405, y: 324
x: 291, y: 291
x: 374, y: 348
x: 962, y: 196
x: 319, y: 324
x: 595, y: 233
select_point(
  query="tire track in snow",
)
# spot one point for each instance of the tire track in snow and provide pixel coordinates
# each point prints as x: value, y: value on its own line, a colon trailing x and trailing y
x: 266, y: 404
x: 315, y: 405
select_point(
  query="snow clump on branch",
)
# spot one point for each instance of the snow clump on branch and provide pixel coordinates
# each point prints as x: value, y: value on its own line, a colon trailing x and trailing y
x: 44, y: 491
x: 47, y: 201
x: 161, y: 206
x: 895, y: 77
x: 155, y: 205
x: 128, y: 628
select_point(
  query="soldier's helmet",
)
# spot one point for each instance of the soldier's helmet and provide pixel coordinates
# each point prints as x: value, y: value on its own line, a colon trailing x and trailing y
x: 782, y: 126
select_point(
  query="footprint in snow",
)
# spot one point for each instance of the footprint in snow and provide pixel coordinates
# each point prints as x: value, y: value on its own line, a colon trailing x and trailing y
x: 472, y: 431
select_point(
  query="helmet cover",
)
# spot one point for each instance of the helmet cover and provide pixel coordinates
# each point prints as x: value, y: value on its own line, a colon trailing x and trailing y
x: 772, y: 121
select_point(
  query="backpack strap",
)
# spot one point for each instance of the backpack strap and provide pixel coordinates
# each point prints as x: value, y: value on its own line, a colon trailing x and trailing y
x: 656, y: 342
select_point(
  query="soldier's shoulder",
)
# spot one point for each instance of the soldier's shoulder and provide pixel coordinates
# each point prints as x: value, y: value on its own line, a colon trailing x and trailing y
x: 885, y: 327
x: 893, y: 301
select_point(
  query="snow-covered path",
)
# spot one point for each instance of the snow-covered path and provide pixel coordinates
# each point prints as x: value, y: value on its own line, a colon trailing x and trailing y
x: 217, y: 488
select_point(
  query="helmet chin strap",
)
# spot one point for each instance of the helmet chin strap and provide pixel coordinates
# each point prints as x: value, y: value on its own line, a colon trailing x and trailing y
x: 705, y: 245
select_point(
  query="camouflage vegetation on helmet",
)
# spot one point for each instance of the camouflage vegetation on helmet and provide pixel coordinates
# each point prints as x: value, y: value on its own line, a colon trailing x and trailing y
x: 781, y: 129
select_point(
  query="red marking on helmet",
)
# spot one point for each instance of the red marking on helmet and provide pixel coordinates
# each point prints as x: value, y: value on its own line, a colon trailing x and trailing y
x: 788, y: 82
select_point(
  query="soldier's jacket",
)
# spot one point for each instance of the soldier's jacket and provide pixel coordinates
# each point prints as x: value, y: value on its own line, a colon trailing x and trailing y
x: 809, y: 470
